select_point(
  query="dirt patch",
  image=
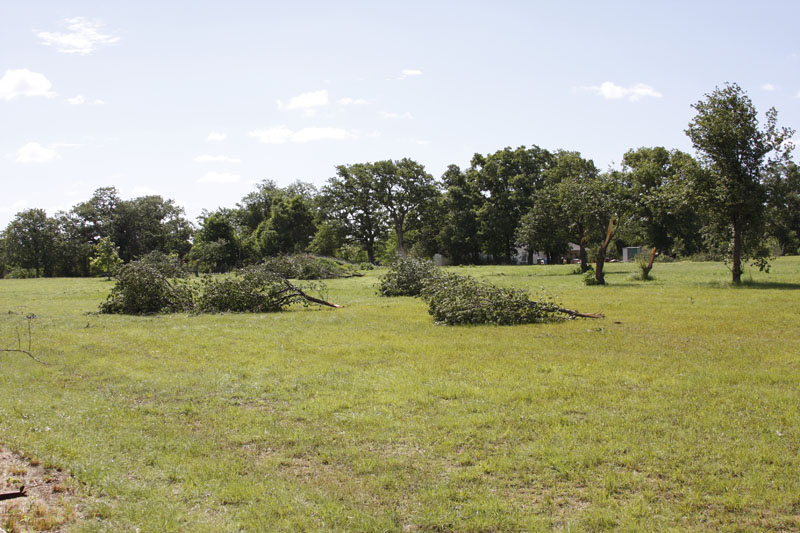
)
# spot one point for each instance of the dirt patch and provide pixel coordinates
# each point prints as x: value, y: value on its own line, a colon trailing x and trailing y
x: 48, y: 504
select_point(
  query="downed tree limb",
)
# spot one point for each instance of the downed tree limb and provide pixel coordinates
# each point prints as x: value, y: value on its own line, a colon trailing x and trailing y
x: 573, y: 314
x: 16, y: 494
x: 26, y: 352
x: 301, y: 293
x: 318, y: 301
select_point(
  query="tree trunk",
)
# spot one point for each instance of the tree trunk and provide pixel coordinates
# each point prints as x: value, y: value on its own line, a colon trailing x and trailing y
x: 530, y: 256
x: 599, y: 275
x: 737, y: 250
x: 582, y: 253
x: 401, y: 242
x: 649, y: 267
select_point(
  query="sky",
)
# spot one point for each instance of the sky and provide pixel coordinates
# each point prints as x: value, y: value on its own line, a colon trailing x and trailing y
x: 198, y: 101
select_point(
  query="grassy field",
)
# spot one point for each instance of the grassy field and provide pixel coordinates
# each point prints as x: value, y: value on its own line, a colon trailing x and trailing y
x: 678, y: 411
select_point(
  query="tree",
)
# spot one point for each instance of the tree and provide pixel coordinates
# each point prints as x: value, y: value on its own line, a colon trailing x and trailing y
x: 458, y: 232
x: 662, y: 199
x: 401, y: 188
x: 149, y: 223
x: 544, y: 227
x: 216, y: 247
x: 30, y: 241
x: 573, y: 177
x: 288, y: 229
x: 783, y: 206
x: 736, y: 154
x: 106, y: 258
x: 506, y: 180
x: 353, y: 203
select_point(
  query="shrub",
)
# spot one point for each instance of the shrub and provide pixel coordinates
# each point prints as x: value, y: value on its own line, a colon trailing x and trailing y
x: 406, y: 277
x: 142, y: 289
x: 454, y: 299
x: 589, y: 277
x: 255, y: 289
x: 643, y: 262
x: 308, y: 266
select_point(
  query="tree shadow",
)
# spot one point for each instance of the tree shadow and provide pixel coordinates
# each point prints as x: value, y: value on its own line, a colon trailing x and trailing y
x: 777, y: 285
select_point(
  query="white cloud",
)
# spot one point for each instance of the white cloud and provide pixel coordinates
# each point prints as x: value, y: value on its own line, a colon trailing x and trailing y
x: 35, y: 153
x: 205, y: 158
x: 321, y: 134
x: 216, y: 136
x: 306, y: 100
x: 351, y: 101
x: 83, y: 37
x: 797, y: 95
x: 769, y: 87
x: 282, y: 134
x: 611, y: 91
x: 421, y: 142
x: 23, y: 82
x: 276, y: 135
x: 409, y: 72
x: 390, y: 115
x: 80, y: 100
x: 220, y: 177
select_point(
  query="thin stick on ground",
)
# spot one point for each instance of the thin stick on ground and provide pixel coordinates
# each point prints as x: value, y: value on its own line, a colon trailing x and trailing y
x: 26, y: 352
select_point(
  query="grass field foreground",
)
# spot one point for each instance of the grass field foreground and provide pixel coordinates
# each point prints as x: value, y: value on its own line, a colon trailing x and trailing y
x: 678, y: 411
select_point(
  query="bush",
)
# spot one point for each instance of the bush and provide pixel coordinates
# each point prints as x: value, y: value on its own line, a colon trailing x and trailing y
x: 308, y: 266
x: 642, y: 262
x: 406, y: 277
x: 589, y: 277
x: 454, y: 299
x: 142, y: 289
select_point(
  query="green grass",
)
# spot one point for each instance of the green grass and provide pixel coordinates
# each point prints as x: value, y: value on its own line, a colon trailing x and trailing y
x: 678, y: 411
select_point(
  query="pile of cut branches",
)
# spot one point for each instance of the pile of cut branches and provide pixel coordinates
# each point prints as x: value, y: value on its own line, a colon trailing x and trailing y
x: 142, y: 289
x: 454, y: 299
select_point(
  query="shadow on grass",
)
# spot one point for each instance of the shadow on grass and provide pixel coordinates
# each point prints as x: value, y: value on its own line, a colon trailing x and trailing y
x: 778, y: 285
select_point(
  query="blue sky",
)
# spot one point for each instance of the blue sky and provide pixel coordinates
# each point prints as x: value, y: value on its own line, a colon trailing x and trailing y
x: 199, y: 100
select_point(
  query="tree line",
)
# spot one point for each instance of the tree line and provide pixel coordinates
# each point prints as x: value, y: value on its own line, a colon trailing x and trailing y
x: 738, y: 199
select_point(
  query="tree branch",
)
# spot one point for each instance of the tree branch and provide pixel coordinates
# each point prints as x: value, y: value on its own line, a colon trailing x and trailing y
x: 26, y: 352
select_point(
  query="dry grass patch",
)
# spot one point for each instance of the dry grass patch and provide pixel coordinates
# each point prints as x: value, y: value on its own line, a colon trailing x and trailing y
x: 49, y: 504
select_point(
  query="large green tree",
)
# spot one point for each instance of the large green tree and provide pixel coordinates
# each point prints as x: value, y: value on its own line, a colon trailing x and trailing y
x: 663, y: 205
x: 30, y: 241
x: 736, y: 153
x: 353, y: 203
x: 574, y: 178
x: 458, y: 226
x: 506, y: 180
x: 402, y: 188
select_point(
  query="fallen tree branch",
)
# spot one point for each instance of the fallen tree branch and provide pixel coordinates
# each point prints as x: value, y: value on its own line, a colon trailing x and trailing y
x: 26, y: 352
x: 298, y: 291
x: 572, y: 313
x: 16, y: 494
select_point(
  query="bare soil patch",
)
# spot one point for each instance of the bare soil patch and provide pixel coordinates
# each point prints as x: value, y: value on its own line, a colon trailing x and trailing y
x: 49, y: 502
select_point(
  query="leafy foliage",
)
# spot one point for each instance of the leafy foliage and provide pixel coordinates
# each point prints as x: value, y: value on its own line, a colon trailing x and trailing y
x: 308, y: 266
x: 736, y: 155
x: 254, y: 289
x: 168, y: 265
x: 406, y: 277
x: 454, y: 299
x: 141, y: 289
x: 106, y: 257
